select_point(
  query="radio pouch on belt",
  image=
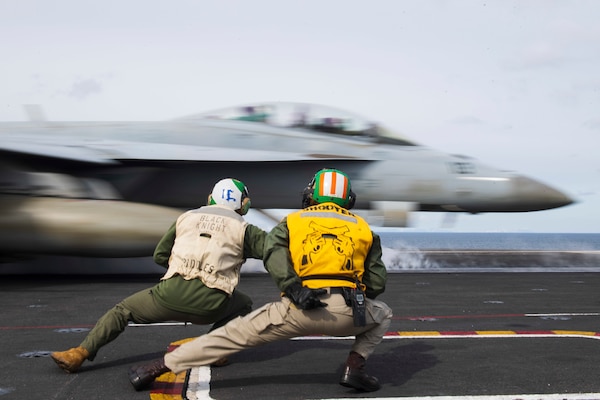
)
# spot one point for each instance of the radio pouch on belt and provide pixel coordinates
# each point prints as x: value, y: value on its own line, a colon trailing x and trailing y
x: 355, y: 298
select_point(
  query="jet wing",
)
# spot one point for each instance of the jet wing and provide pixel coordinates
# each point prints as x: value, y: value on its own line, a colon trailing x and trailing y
x: 23, y: 147
x: 174, y: 152
x: 113, y: 151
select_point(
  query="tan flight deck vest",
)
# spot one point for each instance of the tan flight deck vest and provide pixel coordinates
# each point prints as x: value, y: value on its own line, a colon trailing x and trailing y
x: 328, y: 245
x: 209, y: 245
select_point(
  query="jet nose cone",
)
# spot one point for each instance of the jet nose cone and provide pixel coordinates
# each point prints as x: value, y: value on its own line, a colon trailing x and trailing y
x: 539, y: 196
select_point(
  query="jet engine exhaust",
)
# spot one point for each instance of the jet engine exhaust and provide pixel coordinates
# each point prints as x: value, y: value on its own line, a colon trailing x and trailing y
x: 92, y: 228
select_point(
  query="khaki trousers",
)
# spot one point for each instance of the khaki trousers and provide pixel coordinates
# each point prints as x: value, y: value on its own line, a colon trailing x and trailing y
x: 283, y: 320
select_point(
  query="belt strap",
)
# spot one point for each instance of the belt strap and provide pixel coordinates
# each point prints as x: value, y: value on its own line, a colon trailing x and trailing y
x: 328, y: 277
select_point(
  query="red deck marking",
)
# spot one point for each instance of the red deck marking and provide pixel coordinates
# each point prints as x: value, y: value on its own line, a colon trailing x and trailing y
x: 9, y: 328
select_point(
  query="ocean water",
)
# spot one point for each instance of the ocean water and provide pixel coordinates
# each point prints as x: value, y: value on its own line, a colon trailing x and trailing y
x: 491, y: 240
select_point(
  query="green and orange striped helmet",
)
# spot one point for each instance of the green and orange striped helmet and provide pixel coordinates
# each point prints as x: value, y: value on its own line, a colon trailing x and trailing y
x: 329, y: 185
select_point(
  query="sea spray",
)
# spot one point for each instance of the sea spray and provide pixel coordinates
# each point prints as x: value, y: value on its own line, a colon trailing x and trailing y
x: 402, y: 257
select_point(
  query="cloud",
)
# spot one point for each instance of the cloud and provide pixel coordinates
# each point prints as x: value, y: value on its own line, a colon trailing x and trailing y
x: 593, y: 124
x: 84, y: 88
x: 467, y: 120
x: 538, y: 55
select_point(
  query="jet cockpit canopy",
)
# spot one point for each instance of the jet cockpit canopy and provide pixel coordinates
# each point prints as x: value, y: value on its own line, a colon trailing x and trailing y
x: 312, y: 117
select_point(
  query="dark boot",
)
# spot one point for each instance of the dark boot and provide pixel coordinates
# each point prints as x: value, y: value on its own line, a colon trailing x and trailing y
x: 142, y: 376
x: 354, y: 374
x: 221, y: 362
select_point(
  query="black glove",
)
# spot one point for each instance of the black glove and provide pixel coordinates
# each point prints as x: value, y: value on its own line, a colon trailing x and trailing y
x: 305, y: 298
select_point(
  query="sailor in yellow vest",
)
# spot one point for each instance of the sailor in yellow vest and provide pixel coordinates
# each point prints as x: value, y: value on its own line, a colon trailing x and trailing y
x: 203, y: 252
x: 327, y: 263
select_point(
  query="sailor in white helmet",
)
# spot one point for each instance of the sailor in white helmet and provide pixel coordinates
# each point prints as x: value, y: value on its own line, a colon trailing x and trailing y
x: 327, y: 263
x: 203, y: 252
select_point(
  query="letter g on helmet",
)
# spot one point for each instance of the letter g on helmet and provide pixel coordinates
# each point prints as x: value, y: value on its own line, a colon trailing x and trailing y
x: 232, y: 194
x: 329, y: 185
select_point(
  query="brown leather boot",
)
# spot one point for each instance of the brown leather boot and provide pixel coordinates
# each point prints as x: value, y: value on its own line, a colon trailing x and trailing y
x: 354, y: 374
x: 142, y: 376
x: 70, y: 360
x: 221, y: 362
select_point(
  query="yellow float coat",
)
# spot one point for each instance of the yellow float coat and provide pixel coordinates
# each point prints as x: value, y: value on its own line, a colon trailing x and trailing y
x: 328, y: 245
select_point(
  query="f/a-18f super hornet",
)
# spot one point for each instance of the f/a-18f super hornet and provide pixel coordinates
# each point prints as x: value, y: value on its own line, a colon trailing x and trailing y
x: 111, y: 189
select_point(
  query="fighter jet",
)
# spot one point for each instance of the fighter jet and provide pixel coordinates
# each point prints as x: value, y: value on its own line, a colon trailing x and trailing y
x: 111, y: 189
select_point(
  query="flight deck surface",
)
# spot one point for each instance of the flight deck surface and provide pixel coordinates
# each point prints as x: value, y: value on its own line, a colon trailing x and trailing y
x: 453, y: 335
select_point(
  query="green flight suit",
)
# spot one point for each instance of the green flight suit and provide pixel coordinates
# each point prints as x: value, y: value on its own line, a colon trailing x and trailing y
x: 176, y: 299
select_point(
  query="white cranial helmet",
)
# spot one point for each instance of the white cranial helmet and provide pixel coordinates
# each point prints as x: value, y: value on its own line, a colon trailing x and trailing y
x: 232, y: 194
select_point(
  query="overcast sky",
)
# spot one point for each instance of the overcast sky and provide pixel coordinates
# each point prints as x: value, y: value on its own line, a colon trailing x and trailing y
x: 515, y: 84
